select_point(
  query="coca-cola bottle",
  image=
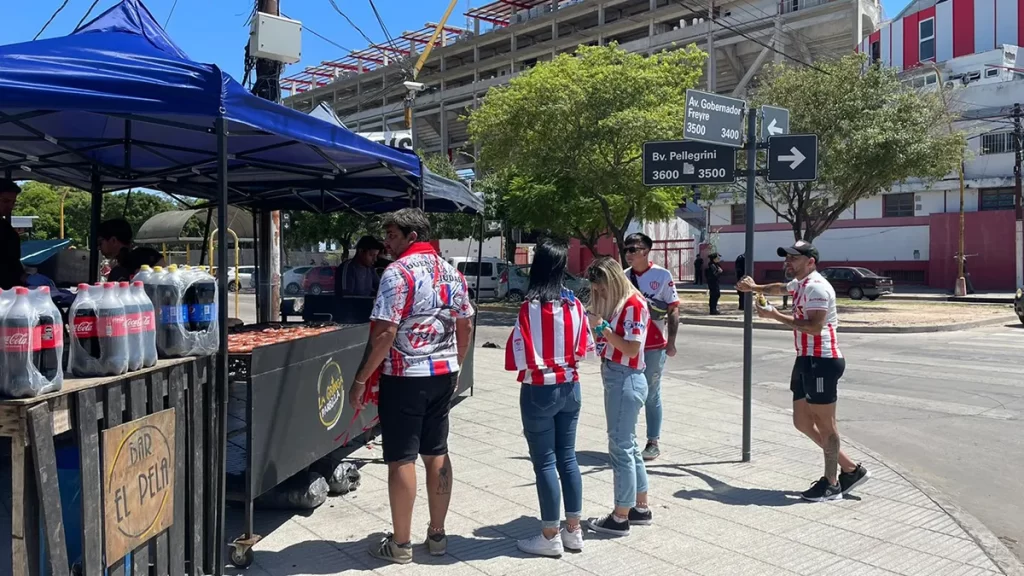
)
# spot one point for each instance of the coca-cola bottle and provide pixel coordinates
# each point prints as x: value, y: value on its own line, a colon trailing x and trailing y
x: 112, y: 332
x: 6, y: 299
x: 147, y: 315
x: 133, y: 322
x: 84, y: 354
x: 21, y: 347
x: 51, y: 333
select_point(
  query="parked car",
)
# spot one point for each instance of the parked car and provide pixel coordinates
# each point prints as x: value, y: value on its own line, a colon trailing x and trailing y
x: 857, y: 283
x: 493, y: 274
x: 318, y: 279
x: 1018, y: 304
x: 519, y: 282
x: 240, y: 277
x: 291, y: 280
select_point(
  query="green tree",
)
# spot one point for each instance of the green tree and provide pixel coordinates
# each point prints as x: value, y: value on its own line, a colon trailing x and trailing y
x: 454, y: 226
x: 872, y: 132
x: 573, y: 131
x: 309, y: 228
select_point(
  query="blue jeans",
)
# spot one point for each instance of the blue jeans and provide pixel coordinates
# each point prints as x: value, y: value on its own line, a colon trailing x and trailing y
x: 624, y: 392
x: 550, y: 414
x: 655, y: 360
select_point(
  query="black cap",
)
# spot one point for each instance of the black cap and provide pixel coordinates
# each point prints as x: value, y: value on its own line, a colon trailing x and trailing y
x: 799, y: 248
x: 369, y: 243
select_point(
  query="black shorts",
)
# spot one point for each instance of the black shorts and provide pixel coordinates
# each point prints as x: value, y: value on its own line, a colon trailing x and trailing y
x: 414, y: 416
x: 816, y: 380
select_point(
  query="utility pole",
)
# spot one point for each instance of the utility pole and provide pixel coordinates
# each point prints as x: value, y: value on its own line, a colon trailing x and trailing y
x: 1019, y: 232
x: 711, y: 72
x: 268, y: 87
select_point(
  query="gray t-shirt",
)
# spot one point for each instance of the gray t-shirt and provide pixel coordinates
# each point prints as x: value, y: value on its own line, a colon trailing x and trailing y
x: 358, y: 280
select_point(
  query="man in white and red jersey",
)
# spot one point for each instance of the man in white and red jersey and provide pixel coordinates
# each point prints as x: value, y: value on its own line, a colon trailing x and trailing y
x: 656, y: 284
x: 419, y: 336
x: 819, y: 364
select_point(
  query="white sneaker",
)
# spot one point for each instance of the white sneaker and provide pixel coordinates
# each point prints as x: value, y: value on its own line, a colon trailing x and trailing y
x: 573, y: 540
x: 541, y: 546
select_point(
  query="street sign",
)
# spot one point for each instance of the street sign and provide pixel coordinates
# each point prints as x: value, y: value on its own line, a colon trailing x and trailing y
x: 714, y: 119
x: 685, y: 162
x: 793, y: 158
x: 774, y: 122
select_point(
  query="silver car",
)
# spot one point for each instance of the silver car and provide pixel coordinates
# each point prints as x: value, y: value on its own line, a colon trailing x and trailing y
x: 519, y: 282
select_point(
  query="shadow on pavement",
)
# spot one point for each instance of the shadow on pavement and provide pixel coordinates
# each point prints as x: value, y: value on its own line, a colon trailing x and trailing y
x: 735, y: 496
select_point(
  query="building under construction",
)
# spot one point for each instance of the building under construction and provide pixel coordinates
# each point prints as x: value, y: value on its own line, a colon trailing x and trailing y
x: 502, y: 39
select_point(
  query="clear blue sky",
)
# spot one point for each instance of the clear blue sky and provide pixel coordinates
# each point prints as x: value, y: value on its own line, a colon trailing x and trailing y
x: 214, y: 31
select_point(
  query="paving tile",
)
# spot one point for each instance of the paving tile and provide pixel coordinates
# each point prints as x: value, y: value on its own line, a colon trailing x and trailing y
x: 713, y: 514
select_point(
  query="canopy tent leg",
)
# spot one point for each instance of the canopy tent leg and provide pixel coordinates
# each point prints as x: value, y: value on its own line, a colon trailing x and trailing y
x: 94, y: 227
x: 476, y: 303
x: 222, y: 355
x: 265, y: 288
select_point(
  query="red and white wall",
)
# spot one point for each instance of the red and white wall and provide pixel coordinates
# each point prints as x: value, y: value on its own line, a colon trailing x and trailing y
x: 956, y: 27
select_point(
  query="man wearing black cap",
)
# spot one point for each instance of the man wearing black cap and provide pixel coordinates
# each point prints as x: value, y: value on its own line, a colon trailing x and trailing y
x: 357, y: 276
x: 819, y: 364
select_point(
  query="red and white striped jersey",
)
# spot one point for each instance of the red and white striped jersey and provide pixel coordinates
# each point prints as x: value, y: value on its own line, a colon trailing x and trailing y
x: 815, y: 293
x: 548, y: 341
x: 631, y: 323
x: 657, y: 286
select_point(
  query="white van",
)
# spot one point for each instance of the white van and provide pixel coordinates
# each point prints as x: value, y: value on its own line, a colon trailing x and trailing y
x: 493, y: 275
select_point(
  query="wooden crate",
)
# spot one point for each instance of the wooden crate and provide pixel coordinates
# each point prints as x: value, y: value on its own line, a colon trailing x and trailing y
x: 85, y: 408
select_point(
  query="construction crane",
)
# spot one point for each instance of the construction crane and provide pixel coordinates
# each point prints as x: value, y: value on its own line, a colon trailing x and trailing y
x: 412, y: 85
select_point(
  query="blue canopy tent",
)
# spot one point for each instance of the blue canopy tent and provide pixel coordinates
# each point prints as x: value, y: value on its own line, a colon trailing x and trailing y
x: 118, y: 105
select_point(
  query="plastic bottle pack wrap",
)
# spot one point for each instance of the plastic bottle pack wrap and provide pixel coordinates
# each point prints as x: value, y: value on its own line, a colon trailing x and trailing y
x: 31, y: 344
x: 200, y: 298
x: 99, y: 332
x: 304, y: 491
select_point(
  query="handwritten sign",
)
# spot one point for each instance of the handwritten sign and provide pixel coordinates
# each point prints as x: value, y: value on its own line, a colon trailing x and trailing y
x: 138, y: 482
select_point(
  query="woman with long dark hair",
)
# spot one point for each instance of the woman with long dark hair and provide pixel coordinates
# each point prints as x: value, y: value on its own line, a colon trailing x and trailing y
x: 550, y: 338
x: 620, y: 344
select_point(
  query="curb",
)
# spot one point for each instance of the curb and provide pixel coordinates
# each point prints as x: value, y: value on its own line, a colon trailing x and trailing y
x: 702, y: 321
x: 937, y: 298
x: 989, y: 543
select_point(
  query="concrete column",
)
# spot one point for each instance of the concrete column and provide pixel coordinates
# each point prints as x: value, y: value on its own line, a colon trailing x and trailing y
x: 512, y: 64
x: 650, y: 27
x: 554, y: 30
x: 476, y: 64
x: 444, y: 129
x: 600, y: 24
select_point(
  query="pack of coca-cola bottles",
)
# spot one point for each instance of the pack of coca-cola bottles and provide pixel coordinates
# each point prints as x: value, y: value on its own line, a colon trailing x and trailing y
x: 148, y: 319
x: 31, y: 343
x: 99, y: 332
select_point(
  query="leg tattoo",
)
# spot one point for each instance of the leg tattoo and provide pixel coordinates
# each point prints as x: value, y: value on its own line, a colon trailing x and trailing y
x: 444, y: 484
x: 832, y: 456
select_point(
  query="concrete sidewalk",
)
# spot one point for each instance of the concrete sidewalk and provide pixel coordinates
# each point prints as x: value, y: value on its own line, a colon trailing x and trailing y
x: 713, y: 514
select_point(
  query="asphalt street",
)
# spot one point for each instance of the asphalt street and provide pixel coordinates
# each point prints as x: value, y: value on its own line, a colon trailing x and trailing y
x: 947, y: 407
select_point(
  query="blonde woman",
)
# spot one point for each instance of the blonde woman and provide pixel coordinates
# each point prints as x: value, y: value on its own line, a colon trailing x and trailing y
x: 619, y: 317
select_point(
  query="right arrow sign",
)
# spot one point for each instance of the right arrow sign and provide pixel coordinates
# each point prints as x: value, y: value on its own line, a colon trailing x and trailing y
x: 793, y: 158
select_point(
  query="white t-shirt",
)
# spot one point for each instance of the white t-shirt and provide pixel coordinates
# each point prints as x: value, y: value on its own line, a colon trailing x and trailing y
x: 815, y: 293
x: 660, y: 291
x: 424, y: 295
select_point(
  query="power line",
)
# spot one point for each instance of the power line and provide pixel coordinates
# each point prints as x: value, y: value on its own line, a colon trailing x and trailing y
x: 357, y: 28
x: 87, y: 13
x: 383, y: 27
x: 171, y: 13
x: 48, y: 22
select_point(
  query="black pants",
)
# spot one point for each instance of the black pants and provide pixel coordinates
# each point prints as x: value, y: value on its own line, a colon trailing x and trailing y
x: 716, y: 293
x: 698, y: 275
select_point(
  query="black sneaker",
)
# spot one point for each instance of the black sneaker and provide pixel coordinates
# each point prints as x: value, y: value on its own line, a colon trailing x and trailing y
x: 822, y: 491
x: 638, y: 518
x: 609, y: 525
x: 850, y: 480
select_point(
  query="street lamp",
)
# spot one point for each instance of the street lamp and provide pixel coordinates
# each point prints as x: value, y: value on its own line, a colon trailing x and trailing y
x: 961, y: 282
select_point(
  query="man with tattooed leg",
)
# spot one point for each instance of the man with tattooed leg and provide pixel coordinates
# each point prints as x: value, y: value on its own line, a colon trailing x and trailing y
x: 819, y: 364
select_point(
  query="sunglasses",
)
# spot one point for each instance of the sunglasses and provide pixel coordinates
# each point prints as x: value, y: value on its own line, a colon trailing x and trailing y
x: 595, y: 275
x: 634, y: 249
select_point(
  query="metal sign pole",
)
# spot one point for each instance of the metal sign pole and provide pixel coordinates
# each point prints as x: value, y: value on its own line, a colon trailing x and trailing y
x: 748, y: 312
